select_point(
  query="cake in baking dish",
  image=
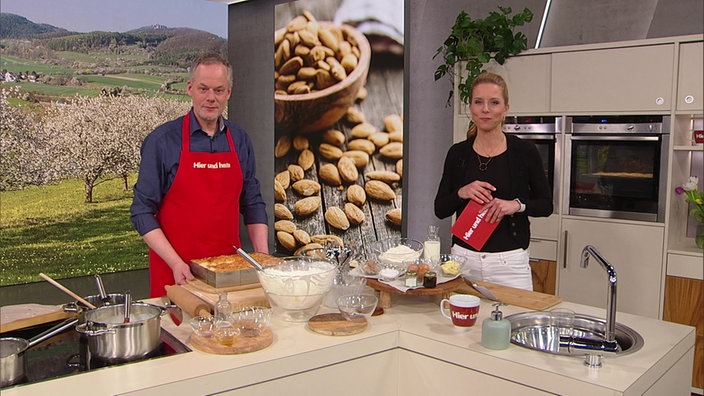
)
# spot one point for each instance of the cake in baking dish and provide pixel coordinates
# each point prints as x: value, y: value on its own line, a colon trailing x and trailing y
x: 234, y: 262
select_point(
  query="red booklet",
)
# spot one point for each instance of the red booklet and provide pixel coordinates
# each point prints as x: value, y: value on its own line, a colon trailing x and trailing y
x: 471, y: 227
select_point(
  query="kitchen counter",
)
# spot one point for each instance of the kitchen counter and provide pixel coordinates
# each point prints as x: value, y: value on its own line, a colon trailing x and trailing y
x: 410, y: 349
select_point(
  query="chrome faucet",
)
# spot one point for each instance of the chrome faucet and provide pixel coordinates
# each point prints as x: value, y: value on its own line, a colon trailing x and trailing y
x: 611, y: 298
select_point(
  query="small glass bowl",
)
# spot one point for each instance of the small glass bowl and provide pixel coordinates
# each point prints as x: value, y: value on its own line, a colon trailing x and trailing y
x: 445, y: 258
x: 357, y: 307
x: 202, y: 326
x: 226, y: 332
x: 389, y: 272
x: 251, y: 321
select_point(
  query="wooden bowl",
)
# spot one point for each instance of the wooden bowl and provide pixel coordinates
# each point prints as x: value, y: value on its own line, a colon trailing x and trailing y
x: 304, y: 113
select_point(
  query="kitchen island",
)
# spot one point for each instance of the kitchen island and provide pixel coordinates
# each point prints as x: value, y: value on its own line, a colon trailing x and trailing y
x: 411, y: 349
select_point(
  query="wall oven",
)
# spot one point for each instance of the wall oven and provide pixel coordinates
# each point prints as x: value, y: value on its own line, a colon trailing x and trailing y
x: 617, y: 166
x: 544, y: 132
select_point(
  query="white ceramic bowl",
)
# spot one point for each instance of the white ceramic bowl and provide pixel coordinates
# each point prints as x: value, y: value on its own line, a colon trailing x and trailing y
x: 296, y: 287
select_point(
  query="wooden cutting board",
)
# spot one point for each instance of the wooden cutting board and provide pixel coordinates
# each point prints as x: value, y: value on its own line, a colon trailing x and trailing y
x: 240, y: 345
x: 13, y: 317
x: 334, y: 324
x: 510, y: 295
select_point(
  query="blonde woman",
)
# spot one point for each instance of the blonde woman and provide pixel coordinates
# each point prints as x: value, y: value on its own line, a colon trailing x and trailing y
x: 503, y: 173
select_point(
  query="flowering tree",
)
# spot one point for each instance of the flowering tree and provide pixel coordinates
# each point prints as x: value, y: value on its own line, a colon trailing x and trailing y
x: 95, y: 138
x: 24, y: 146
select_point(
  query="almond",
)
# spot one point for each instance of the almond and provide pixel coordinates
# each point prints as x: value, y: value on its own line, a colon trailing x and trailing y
x: 355, y: 116
x: 365, y: 145
x: 380, y: 139
x: 306, y: 187
x: 393, y: 150
x: 281, y: 212
x: 354, y: 214
x: 283, y: 145
x: 330, y: 175
x: 399, y: 167
x: 362, y: 93
x: 306, y: 206
x: 308, y: 246
x: 306, y: 159
x: 302, y: 237
x: 385, y: 176
x: 300, y: 143
x: 356, y: 195
x: 363, y: 130
x: 337, y: 218
x: 396, y: 136
x: 329, y: 151
x: 394, y: 216
x: 393, y: 122
x: 325, y: 239
x: 279, y: 192
x: 286, y: 240
x: 360, y: 158
x: 285, y: 225
x: 283, y: 177
x: 348, y: 170
x: 296, y: 172
x: 379, y: 190
x: 334, y: 137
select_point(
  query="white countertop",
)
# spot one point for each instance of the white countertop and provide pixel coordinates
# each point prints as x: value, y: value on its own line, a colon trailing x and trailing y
x: 412, y: 323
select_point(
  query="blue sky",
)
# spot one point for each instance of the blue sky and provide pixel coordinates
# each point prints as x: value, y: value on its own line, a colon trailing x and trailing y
x: 122, y: 15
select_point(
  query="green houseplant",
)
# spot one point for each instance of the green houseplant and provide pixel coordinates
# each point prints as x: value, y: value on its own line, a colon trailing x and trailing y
x: 476, y: 42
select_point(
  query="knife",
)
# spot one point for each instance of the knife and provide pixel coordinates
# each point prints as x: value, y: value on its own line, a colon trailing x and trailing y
x: 481, y: 289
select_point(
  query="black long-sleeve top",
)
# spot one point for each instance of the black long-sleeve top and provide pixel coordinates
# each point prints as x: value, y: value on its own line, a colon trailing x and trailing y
x: 516, y: 173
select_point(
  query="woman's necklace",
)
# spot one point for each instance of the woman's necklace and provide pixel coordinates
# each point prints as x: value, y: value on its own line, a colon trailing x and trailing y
x: 483, y: 165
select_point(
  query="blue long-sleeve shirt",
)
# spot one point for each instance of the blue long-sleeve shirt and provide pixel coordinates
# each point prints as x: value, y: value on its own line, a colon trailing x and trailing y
x: 161, y: 151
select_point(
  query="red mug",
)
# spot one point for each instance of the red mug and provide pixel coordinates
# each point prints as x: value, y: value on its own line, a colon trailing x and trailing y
x: 463, y: 309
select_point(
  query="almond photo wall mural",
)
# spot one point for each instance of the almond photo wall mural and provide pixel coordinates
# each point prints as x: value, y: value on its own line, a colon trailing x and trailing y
x: 339, y: 128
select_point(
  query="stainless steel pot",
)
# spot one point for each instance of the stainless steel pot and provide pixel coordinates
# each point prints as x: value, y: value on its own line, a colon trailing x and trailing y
x: 110, y: 339
x: 96, y: 300
x: 12, y: 352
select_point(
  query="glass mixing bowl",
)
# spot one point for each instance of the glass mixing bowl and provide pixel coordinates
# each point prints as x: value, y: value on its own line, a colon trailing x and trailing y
x: 295, y: 288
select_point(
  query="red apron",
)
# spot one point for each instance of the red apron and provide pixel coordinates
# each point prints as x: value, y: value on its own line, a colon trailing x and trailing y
x: 200, y: 213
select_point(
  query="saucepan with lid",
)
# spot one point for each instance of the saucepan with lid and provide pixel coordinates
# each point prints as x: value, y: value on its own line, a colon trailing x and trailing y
x: 114, y: 339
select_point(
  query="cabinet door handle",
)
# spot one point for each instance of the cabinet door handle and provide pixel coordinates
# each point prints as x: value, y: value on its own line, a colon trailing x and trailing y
x: 564, y: 251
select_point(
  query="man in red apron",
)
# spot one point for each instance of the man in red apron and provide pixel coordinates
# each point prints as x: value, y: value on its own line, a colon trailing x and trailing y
x: 197, y: 175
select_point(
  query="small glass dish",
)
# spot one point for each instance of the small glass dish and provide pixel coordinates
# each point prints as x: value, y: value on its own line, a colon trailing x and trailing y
x: 251, y: 321
x: 389, y: 272
x: 451, y: 265
x: 202, y: 326
x: 225, y: 332
x: 357, y: 307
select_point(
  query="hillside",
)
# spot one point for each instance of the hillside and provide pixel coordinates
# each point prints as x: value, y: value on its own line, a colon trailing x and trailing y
x: 150, y: 59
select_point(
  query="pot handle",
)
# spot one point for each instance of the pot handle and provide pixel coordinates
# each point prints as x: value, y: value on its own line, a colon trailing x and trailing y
x: 90, y: 329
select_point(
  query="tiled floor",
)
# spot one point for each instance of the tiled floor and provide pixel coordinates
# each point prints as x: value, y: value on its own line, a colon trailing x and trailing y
x: 136, y: 281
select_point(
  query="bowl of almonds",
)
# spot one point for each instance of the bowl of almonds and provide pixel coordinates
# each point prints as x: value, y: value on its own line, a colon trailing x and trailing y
x: 320, y: 68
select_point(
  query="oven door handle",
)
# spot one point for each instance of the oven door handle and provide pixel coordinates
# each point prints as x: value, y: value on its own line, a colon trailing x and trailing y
x: 616, y: 138
x: 540, y: 136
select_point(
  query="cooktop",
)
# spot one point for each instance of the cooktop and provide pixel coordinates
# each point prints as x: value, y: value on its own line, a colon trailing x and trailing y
x: 67, y: 354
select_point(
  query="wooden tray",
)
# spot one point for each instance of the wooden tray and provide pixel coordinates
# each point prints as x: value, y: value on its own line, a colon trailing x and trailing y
x: 334, y: 324
x: 385, y: 291
x: 241, y: 344
x: 14, y: 317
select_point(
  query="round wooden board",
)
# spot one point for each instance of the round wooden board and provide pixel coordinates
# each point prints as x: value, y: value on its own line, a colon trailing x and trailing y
x: 439, y: 289
x: 242, y: 344
x: 334, y: 324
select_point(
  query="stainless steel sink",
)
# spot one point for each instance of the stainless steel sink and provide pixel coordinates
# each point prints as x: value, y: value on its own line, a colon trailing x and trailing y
x: 534, y: 330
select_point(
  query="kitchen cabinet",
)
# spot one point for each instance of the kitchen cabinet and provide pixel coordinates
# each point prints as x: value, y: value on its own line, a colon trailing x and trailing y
x: 634, y: 250
x: 690, y: 81
x: 613, y: 80
x: 684, y: 299
x: 544, y: 275
x: 528, y: 78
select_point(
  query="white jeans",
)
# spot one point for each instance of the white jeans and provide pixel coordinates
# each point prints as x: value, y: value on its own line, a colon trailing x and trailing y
x: 510, y: 268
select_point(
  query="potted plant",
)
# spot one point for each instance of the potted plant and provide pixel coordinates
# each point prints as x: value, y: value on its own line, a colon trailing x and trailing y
x: 476, y: 42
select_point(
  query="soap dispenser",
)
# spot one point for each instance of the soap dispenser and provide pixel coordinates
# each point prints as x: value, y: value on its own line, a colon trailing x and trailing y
x: 496, y: 331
